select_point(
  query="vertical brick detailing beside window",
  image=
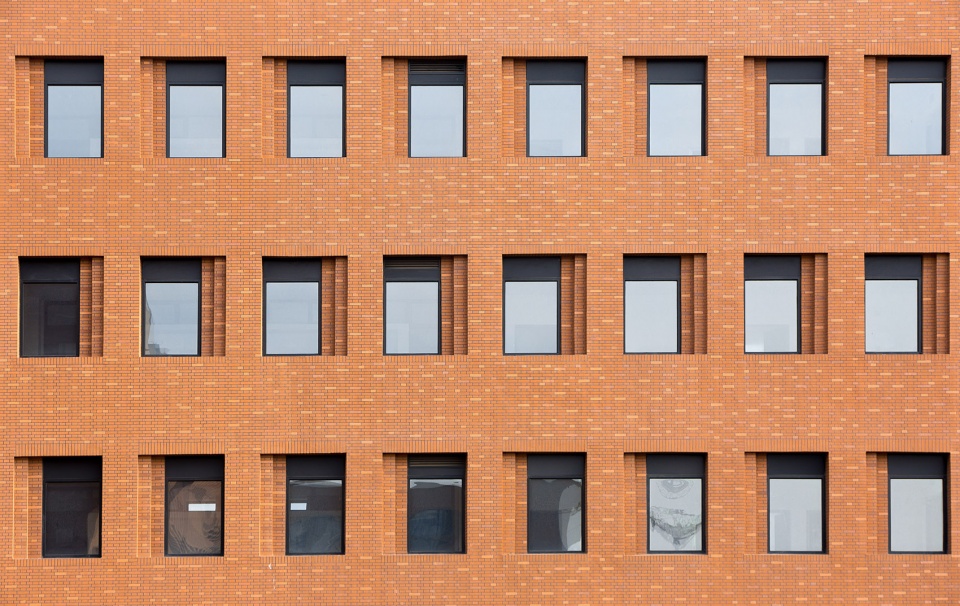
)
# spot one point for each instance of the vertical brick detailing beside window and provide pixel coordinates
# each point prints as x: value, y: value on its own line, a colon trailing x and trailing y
x: 514, y: 107
x: 946, y: 110
x: 453, y: 305
x: 26, y: 73
x: 637, y: 516
x: 755, y: 104
x: 395, y: 503
x: 213, y: 311
x: 401, y: 107
x: 388, y: 101
x: 573, y: 302
x: 761, y: 511
x: 91, y: 306
x: 813, y: 304
x: 520, y: 498
x: 273, y: 499
x: 634, y: 106
x: 36, y: 114
x: 150, y: 506
x: 935, y: 302
x: 881, y: 505
x: 27, y: 531
x: 159, y: 106
x: 333, y: 306
x: 274, y: 95
x: 875, y: 106
x: 693, y: 304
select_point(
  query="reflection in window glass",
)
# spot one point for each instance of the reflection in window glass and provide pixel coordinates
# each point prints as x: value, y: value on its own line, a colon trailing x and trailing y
x: 315, y: 516
x: 892, y: 315
x: 293, y: 318
x: 916, y: 118
x: 916, y: 515
x: 71, y: 507
x: 555, y: 119
x: 171, y: 319
x: 676, y: 120
x: 796, y: 514
x: 795, y: 121
x: 436, y: 121
x: 555, y: 515
x: 650, y: 317
x: 530, y: 317
x: 435, y: 516
x: 194, y: 517
x: 195, y: 117
x: 676, y: 514
x: 413, y: 317
x: 74, y: 121
x: 770, y: 312
x: 316, y: 121
x: 49, y: 307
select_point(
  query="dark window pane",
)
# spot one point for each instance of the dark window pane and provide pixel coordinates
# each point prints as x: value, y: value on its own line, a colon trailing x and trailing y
x: 74, y: 121
x: 195, y: 518
x: 796, y: 121
x: 71, y: 519
x: 413, y: 317
x: 650, y: 316
x: 555, y: 515
x: 916, y: 118
x: 171, y: 319
x: 916, y: 515
x: 796, y: 514
x: 530, y: 317
x: 555, y: 120
x: 50, y: 320
x: 195, y: 116
x: 315, y: 516
x: 676, y: 514
x: 676, y: 120
x: 436, y: 121
x: 435, y: 516
x: 293, y: 318
x: 892, y: 316
x: 316, y: 121
x: 770, y: 311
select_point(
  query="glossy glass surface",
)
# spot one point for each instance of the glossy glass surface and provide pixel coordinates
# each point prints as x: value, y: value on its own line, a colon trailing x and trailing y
x: 315, y: 516
x: 892, y: 316
x: 555, y: 120
x: 412, y: 318
x: 71, y: 519
x: 555, y: 515
x: 650, y: 316
x: 171, y: 319
x: 194, y: 518
x: 770, y: 315
x: 316, y: 121
x: 916, y: 515
x: 676, y: 120
x: 916, y: 118
x: 530, y: 318
x: 435, y: 515
x: 796, y: 514
x: 292, y: 318
x: 74, y: 121
x: 436, y: 121
x: 195, y: 115
x: 795, y: 120
x: 675, y: 514
x: 50, y: 320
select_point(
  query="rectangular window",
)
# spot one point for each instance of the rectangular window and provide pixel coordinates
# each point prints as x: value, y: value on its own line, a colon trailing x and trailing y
x: 555, y: 503
x: 918, y: 503
x: 651, y: 304
x: 892, y: 303
x: 196, y: 109
x: 73, y: 108
x: 675, y: 502
x: 291, y: 306
x: 556, y: 98
x: 315, y: 504
x: 437, y: 109
x: 435, y: 503
x: 316, y: 93
x: 171, y: 307
x: 49, y: 307
x: 676, y: 111
x: 797, y: 502
x: 771, y: 303
x: 194, y: 506
x: 916, y: 100
x: 531, y: 305
x: 412, y: 305
x: 71, y: 507
x: 795, y: 107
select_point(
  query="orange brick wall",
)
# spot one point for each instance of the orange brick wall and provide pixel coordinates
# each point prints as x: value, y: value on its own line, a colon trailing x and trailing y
x: 470, y: 212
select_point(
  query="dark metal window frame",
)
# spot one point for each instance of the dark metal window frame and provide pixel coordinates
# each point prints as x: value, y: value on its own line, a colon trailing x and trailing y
x: 318, y: 73
x: 799, y: 466
x: 919, y: 466
x: 883, y: 267
x: 438, y: 467
x: 430, y: 72
x: 772, y: 268
x: 70, y: 72
x: 559, y: 466
x: 170, y: 270
x: 293, y: 269
x: 921, y: 70
x: 203, y: 469
x: 799, y: 71
x: 530, y: 269
x: 208, y: 72
x: 679, y: 71
x: 38, y: 261
x: 413, y: 269
x: 71, y: 472
x: 557, y: 72
x: 682, y: 466
x: 318, y: 467
x: 637, y: 268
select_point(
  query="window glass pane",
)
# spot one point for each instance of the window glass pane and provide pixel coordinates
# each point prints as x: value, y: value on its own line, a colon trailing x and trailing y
x: 50, y: 320
x: 676, y: 120
x: 796, y: 514
x: 555, y: 515
x: 171, y: 319
x: 770, y: 311
x: 796, y: 126
x: 413, y: 318
x: 891, y: 311
x: 650, y: 316
x: 293, y: 318
x: 916, y: 118
x: 74, y: 121
x: 71, y: 519
x: 315, y: 516
x: 316, y: 121
x: 530, y: 317
x: 195, y: 119
x: 195, y: 518
x: 435, y: 516
x: 676, y: 514
x: 555, y: 120
x: 436, y: 121
x: 916, y: 515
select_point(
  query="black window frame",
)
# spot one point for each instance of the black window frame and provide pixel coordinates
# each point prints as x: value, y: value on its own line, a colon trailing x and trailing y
x: 920, y: 70
x: 82, y: 469
x: 71, y: 72
x: 435, y: 72
x: 538, y: 268
x: 317, y: 72
x: 799, y: 71
x: 207, y: 72
x: 572, y: 71
x: 192, y: 468
x: 799, y: 466
x: 170, y: 270
x: 438, y: 467
x: 773, y: 268
x: 650, y: 268
x: 682, y: 466
x: 679, y: 71
x: 317, y: 467
x: 413, y: 269
x: 896, y: 267
x: 38, y: 264
x: 919, y: 466
x: 559, y: 466
x: 293, y: 269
